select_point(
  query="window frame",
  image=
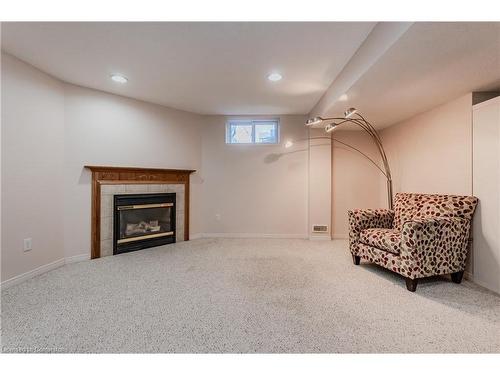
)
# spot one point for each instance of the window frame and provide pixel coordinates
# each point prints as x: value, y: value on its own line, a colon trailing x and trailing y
x: 252, y: 122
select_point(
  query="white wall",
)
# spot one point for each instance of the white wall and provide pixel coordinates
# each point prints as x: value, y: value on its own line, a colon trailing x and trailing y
x: 486, y: 178
x: 319, y: 183
x: 432, y: 152
x: 50, y: 130
x: 254, y: 189
x: 106, y: 129
x: 1, y: 131
x: 355, y: 180
x: 32, y: 167
x: 428, y: 153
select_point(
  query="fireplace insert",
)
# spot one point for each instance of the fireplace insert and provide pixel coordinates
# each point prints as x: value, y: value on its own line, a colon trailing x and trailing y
x: 142, y: 221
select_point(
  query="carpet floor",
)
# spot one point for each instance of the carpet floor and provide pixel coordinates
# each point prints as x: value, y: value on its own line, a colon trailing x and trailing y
x: 244, y: 295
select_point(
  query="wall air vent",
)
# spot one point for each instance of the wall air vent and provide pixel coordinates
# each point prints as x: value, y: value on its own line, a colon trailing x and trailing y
x: 320, y: 228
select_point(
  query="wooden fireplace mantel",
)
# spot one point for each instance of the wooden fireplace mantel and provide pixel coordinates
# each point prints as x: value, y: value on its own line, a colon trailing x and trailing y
x: 104, y: 175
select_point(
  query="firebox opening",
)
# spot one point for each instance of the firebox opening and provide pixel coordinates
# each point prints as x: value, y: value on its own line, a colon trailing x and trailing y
x: 142, y: 221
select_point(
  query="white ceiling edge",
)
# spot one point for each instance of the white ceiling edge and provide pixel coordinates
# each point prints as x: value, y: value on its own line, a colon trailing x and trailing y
x: 203, y: 68
x: 430, y: 64
x: 382, y: 37
x: 399, y: 70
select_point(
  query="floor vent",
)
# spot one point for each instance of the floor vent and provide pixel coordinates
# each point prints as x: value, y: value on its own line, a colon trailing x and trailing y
x: 320, y: 228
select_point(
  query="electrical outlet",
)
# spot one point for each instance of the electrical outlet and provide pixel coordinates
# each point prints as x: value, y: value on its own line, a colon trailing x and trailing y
x: 217, y: 217
x: 27, y: 244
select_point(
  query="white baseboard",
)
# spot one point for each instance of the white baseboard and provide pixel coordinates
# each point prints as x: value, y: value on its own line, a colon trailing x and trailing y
x: 248, y: 235
x: 42, y: 269
x: 77, y: 258
x: 28, y: 275
x: 340, y: 236
x: 468, y: 276
x: 320, y: 237
x: 82, y: 257
x: 195, y: 236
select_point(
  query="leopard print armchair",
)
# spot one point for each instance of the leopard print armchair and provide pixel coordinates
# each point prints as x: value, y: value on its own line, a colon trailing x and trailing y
x: 425, y: 235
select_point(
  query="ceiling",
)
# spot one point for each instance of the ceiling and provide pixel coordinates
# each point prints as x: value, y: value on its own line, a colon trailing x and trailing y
x: 430, y: 64
x: 390, y: 71
x: 206, y: 68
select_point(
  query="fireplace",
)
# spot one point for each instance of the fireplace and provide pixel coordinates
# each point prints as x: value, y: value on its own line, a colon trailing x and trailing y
x: 142, y: 221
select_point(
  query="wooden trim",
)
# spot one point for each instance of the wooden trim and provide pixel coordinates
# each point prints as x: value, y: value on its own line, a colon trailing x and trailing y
x: 102, y: 175
x: 138, y: 182
x: 100, y: 168
x: 186, y: 211
x: 95, y: 250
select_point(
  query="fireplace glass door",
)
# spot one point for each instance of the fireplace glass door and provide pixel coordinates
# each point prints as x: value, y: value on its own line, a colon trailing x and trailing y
x: 143, y: 220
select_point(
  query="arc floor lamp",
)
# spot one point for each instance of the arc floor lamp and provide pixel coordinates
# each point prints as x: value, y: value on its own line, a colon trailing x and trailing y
x: 352, y: 116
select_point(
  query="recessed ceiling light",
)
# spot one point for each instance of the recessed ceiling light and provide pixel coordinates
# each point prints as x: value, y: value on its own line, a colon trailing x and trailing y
x: 274, y: 77
x: 119, y: 78
x: 343, y: 97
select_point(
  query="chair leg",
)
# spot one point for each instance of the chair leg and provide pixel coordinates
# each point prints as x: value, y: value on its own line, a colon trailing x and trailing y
x: 356, y: 259
x: 411, y: 284
x: 457, y: 277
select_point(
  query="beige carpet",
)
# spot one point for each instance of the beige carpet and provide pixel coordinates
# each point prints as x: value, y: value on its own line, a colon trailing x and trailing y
x: 244, y: 295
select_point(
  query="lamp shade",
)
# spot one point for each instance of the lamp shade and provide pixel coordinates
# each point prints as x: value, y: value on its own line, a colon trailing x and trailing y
x: 331, y: 127
x: 314, y: 121
x: 349, y: 112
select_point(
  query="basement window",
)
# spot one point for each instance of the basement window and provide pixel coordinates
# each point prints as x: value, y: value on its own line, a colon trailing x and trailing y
x: 252, y: 131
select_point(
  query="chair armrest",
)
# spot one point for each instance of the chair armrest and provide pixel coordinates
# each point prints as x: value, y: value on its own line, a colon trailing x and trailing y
x: 360, y: 219
x: 434, y: 246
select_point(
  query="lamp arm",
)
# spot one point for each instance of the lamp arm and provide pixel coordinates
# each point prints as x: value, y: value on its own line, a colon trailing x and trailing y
x: 368, y: 128
x: 352, y: 148
x: 362, y: 123
x: 362, y: 153
x: 365, y: 126
x: 374, y: 134
x: 376, y: 137
x: 361, y: 118
x: 382, y: 151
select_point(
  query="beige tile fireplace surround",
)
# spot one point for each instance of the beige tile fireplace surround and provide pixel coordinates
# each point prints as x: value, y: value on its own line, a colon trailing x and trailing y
x: 109, y: 191
x: 110, y: 181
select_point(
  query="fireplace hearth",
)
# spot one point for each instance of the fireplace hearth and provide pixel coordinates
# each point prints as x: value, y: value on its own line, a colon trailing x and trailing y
x: 142, y: 221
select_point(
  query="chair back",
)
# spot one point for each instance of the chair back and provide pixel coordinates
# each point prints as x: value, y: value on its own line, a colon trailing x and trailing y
x: 411, y: 205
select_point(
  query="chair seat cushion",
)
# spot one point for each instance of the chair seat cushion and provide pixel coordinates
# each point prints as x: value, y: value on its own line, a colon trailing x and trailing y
x: 384, y: 239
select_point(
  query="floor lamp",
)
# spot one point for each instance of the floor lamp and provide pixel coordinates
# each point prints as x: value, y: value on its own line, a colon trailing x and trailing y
x: 351, y: 116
